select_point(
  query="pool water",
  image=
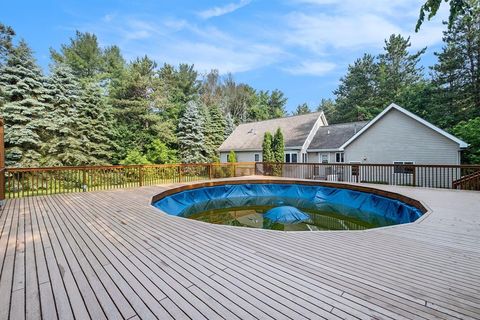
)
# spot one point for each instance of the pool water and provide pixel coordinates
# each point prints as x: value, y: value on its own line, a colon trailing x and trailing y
x: 253, y: 216
x: 287, y: 207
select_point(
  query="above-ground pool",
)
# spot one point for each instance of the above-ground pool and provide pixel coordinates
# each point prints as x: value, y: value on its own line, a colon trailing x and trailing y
x: 287, y: 207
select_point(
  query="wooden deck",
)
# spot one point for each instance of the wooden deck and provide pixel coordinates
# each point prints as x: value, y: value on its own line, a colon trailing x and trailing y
x: 111, y: 255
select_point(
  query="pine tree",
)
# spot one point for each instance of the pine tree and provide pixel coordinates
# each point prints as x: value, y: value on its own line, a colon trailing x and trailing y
x: 23, y: 92
x: 397, y: 70
x: 138, y: 119
x: 6, y: 43
x: 302, y: 109
x: 457, y: 73
x: 96, y: 125
x: 214, y: 131
x: 68, y: 145
x: 276, y: 104
x: 229, y: 125
x: 278, y: 146
x: 232, y: 156
x: 267, y: 151
x: 191, y: 138
x: 357, y: 92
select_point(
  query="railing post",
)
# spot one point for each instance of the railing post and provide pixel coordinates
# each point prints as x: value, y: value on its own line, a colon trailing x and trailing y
x: 140, y: 176
x: 2, y: 165
x: 414, y: 177
x: 84, y: 179
x: 210, y: 167
x: 179, y: 173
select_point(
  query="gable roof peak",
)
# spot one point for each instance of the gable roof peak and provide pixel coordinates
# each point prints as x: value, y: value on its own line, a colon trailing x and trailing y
x: 462, y: 144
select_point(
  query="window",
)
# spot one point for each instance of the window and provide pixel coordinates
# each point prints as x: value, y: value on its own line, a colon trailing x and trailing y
x: 355, y: 168
x: 403, y: 167
x: 291, y: 157
x: 324, y: 158
x: 339, y: 157
x: 257, y: 157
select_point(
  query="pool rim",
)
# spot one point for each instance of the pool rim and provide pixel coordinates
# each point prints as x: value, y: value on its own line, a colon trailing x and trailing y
x: 420, y: 205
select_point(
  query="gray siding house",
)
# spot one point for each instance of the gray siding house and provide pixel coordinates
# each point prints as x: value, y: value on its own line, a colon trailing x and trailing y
x: 395, y: 136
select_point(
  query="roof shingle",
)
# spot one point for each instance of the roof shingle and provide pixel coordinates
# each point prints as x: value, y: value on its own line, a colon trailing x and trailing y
x: 249, y: 136
x: 334, y: 136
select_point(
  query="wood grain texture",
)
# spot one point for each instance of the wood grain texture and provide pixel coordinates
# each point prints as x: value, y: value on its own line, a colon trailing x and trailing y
x: 111, y: 255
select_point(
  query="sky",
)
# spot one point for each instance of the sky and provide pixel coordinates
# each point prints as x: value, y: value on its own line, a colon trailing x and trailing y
x: 302, y: 47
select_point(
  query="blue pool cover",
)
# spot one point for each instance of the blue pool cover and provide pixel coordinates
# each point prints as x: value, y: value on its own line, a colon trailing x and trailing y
x: 286, y: 215
x: 294, y: 195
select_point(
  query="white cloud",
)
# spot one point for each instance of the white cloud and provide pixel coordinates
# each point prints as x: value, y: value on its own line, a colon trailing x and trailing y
x: 313, y: 68
x: 319, y: 32
x: 328, y: 25
x: 220, y: 11
x: 176, y: 40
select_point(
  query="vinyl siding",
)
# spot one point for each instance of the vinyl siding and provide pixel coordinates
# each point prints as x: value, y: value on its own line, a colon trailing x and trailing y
x: 242, y: 156
x: 397, y: 137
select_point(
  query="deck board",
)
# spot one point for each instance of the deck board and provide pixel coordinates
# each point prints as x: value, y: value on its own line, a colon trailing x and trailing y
x: 111, y: 255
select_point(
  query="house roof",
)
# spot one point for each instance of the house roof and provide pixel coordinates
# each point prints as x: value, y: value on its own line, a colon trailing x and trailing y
x: 462, y: 144
x: 334, y: 136
x: 249, y: 136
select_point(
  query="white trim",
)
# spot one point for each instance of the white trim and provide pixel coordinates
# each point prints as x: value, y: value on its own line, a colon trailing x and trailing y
x: 290, y: 154
x: 321, y: 121
x: 324, y: 150
x: 342, y: 156
x: 462, y: 144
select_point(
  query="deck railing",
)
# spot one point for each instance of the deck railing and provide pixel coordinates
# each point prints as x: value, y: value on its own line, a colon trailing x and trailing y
x: 466, y: 177
x: 21, y: 182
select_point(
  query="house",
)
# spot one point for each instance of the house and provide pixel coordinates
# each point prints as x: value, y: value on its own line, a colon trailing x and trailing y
x: 246, y: 140
x: 395, y: 136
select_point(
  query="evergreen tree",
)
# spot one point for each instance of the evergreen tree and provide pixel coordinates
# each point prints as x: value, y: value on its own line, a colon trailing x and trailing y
x: 6, y: 44
x: 191, y: 138
x: 232, y: 157
x: 229, y: 125
x: 214, y: 131
x: 457, y: 73
x: 67, y: 146
x: 278, y: 146
x: 328, y: 107
x: 302, y: 109
x: 397, y: 70
x: 24, y: 100
x: 95, y: 125
x: 83, y: 55
x: 357, y: 93
x: 276, y: 104
x: 267, y: 148
x: 138, y: 120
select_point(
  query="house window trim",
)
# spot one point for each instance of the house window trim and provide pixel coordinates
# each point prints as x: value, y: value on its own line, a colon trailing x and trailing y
x: 290, y: 157
x: 255, y: 156
x: 321, y: 156
x: 397, y: 163
x: 342, y: 157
